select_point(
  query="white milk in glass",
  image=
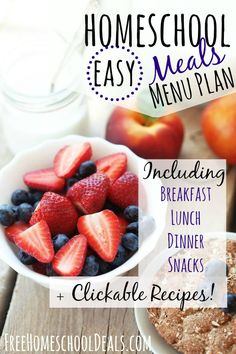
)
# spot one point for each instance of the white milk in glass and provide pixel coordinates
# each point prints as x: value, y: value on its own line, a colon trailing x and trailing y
x: 32, y: 112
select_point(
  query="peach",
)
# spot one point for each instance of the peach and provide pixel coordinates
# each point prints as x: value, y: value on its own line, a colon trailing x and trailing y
x: 219, y: 127
x: 150, y: 138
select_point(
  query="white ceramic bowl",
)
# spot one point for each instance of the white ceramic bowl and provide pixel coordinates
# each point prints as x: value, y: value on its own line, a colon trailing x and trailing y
x: 158, y: 344
x: 42, y: 156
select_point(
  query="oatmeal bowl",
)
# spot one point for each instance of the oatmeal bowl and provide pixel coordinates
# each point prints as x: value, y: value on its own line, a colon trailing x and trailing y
x: 195, y: 330
x: 69, y: 207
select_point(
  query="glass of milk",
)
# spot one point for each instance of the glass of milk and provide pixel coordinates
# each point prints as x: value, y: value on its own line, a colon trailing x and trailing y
x: 31, y: 111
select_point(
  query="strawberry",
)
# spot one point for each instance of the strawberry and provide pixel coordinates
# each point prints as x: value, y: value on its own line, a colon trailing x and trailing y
x: 44, y: 180
x: 14, y: 230
x: 69, y: 158
x: 103, y: 233
x: 58, y: 212
x: 89, y: 194
x: 37, y: 242
x: 112, y: 165
x: 123, y: 224
x: 36, y: 216
x: 39, y: 268
x: 69, y: 260
x: 124, y: 191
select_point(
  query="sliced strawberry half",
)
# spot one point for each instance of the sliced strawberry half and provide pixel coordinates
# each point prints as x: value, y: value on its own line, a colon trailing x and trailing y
x: 14, y: 230
x: 112, y: 165
x: 59, y: 213
x: 89, y: 194
x: 70, y: 157
x: 69, y: 260
x: 37, y: 242
x: 124, y: 191
x: 103, y: 233
x: 44, y: 180
x: 123, y: 224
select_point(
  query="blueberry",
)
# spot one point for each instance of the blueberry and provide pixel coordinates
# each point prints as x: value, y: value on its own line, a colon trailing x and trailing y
x: 133, y: 227
x: 35, y: 196
x: 130, y: 241
x: 15, y: 208
x: 7, y: 215
x: 25, y: 212
x: 25, y: 258
x: 91, y: 266
x: 49, y: 271
x: 59, y: 241
x: 231, y: 304
x: 120, y: 257
x: 86, y: 169
x: 70, y: 182
x: 216, y: 268
x: 20, y: 196
x: 131, y: 213
x: 104, y: 267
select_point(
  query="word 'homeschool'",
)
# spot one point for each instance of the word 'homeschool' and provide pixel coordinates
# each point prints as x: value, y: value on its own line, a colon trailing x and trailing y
x: 150, y: 30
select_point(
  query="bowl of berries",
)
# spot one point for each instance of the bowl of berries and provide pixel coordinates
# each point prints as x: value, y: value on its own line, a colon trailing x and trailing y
x: 69, y: 207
